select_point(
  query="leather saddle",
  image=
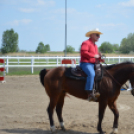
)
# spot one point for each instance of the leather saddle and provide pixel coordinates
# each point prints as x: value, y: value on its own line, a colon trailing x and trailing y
x: 78, y: 72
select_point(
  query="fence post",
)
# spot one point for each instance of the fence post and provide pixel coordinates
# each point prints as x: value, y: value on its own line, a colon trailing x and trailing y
x: 61, y: 61
x: 79, y: 61
x: 57, y: 61
x: 32, y: 62
x: 74, y: 62
x: 119, y: 59
x: 47, y: 60
x: 18, y: 60
x: 7, y: 65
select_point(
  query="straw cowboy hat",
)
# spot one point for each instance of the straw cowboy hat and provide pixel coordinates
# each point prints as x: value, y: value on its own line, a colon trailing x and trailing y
x: 96, y: 30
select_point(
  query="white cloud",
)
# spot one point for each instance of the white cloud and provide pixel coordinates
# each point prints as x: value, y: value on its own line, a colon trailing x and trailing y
x: 112, y: 25
x: 8, y: 2
x: 62, y: 11
x: 129, y: 3
x: 41, y: 2
x: 100, y: 5
x: 25, y: 21
x: 69, y: 10
x: 72, y: 12
x: 102, y: 26
x: 27, y: 10
x: 18, y: 22
x: 45, y: 3
x: 34, y: 3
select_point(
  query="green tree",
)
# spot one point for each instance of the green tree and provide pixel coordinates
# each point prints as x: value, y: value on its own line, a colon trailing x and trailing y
x: 47, y: 47
x: 69, y: 49
x: 116, y: 47
x: 41, y: 48
x: 129, y: 36
x: 106, y: 47
x: 127, y: 44
x: 9, y: 41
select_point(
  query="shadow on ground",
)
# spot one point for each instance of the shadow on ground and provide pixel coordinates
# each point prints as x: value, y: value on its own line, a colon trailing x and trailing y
x: 40, y: 131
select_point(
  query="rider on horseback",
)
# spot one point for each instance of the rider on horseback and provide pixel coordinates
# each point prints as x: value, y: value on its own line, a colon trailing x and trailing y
x: 89, y: 54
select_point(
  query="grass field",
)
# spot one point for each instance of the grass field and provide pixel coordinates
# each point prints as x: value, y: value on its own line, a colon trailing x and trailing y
x: 62, y: 54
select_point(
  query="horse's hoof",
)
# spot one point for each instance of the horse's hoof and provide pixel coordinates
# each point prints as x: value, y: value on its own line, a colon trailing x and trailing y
x: 102, y: 132
x: 63, y: 129
x: 115, y: 131
x: 52, y: 128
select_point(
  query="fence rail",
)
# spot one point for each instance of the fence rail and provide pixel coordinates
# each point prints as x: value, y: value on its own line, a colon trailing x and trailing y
x: 32, y: 62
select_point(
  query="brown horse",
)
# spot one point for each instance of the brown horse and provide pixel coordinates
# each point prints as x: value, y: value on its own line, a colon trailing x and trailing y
x: 57, y: 85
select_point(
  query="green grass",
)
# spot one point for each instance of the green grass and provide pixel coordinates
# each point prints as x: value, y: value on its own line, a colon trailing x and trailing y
x: 24, y: 71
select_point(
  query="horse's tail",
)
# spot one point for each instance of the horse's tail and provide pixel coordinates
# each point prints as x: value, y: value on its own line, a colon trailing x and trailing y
x: 42, y: 74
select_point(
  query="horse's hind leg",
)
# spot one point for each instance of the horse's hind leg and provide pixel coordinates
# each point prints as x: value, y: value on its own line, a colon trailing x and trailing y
x: 59, y: 107
x: 113, y: 107
x: 50, y: 111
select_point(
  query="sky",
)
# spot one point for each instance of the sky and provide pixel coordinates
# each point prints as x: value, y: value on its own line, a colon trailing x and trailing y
x: 44, y: 21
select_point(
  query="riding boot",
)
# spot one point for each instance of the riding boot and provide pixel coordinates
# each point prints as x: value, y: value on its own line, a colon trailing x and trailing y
x: 92, y: 96
x: 95, y: 93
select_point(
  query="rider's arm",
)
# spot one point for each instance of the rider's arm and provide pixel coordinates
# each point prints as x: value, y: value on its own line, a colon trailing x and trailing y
x: 84, y: 50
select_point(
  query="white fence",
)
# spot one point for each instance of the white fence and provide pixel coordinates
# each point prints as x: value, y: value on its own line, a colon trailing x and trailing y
x: 32, y: 62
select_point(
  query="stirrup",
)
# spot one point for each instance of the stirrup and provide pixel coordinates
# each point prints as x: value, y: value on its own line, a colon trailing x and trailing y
x: 97, y: 94
x: 93, y: 96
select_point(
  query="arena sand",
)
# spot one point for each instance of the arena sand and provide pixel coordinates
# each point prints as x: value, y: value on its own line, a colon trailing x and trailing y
x: 23, y: 104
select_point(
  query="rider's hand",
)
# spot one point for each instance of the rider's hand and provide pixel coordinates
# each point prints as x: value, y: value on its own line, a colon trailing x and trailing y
x: 97, y: 56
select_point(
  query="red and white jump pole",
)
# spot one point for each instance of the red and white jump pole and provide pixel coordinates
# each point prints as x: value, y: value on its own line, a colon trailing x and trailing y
x: 69, y: 61
x: 2, y: 69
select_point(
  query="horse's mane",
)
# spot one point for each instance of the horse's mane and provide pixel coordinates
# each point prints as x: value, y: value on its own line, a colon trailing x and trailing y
x: 113, y: 65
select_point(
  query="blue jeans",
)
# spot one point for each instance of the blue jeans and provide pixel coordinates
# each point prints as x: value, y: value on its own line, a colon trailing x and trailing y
x: 88, y: 68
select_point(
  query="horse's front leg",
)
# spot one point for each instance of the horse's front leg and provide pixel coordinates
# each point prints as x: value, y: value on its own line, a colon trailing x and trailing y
x: 113, y: 107
x: 102, y: 107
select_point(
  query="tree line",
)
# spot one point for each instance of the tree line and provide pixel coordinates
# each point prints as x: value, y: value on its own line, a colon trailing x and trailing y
x: 10, y: 44
x: 126, y: 45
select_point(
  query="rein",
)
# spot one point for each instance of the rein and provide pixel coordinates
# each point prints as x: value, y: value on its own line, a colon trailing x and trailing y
x: 113, y: 77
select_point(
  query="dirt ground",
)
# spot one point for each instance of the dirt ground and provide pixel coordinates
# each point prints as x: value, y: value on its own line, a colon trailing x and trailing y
x: 23, y: 104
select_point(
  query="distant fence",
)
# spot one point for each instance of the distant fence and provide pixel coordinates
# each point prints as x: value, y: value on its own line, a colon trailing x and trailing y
x: 32, y: 62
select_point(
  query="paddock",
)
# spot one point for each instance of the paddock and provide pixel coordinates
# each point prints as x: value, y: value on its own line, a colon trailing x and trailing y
x: 23, y: 104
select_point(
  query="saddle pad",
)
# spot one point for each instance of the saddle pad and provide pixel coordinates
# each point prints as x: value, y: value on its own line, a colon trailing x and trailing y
x: 70, y: 75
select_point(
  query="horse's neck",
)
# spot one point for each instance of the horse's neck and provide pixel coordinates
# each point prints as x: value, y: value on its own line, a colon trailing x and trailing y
x: 122, y: 74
